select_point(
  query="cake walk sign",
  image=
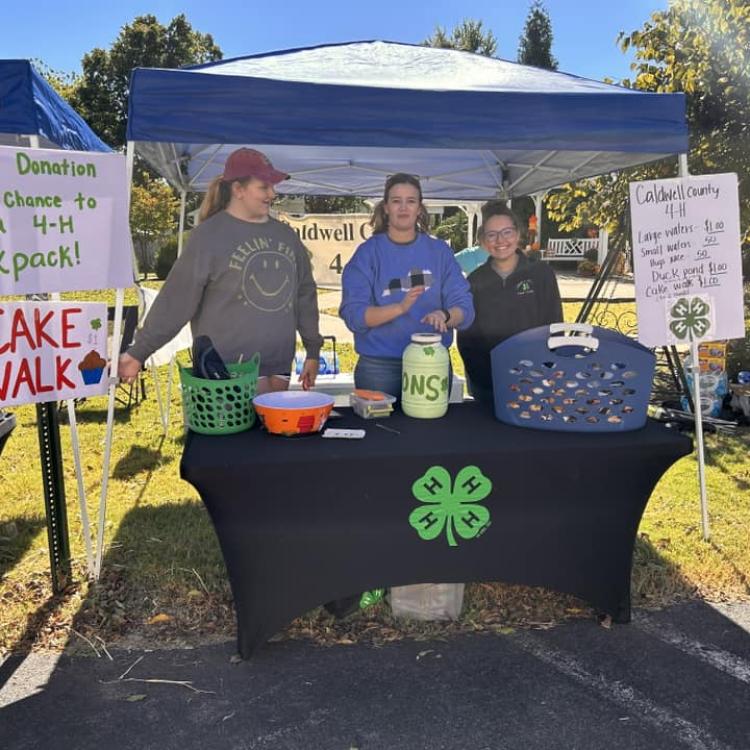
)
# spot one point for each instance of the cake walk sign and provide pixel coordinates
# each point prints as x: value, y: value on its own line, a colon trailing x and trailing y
x: 52, y: 351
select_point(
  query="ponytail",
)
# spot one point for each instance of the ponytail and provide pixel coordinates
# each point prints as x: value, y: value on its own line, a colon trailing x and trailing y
x: 378, y: 220
x: 216, y: 199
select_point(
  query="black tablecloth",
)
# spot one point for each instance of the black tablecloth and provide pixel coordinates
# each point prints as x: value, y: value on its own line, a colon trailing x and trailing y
x: 305, y: 520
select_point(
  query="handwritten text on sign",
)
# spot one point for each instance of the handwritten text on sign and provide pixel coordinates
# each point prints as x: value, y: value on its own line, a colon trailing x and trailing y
x: 52, y: 351
x: 63, y: 221
x: 686, y: 255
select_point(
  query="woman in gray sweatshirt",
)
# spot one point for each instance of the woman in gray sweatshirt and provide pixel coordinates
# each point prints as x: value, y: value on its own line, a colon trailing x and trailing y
x: 244, y: 279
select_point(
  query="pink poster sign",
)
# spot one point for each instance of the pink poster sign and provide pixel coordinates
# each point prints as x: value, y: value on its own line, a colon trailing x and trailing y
x: 52, y: 351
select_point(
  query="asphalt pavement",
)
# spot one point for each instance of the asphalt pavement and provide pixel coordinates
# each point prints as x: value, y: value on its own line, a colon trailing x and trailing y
x: 670, y: 680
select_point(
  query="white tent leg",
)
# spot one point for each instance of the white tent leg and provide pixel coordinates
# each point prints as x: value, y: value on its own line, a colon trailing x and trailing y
x: 181, y: 227
x: 85, y: 523
x: 603, y: 247
x: 538, y: 205
x: 129, y: 161
x: 116, y: 343
x: 471, y: 238
x: 159, y: 400
x: 697, y: 411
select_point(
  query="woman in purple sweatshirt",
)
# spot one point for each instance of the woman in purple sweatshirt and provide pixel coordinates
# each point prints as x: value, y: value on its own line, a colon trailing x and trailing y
x: 399, y: 282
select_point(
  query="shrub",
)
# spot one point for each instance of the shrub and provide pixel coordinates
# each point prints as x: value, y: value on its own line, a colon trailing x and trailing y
x: 738, y: 356
x: 167, y: 255
x: 453, y: 230
x: 592, y: 255
x: 738, y: 350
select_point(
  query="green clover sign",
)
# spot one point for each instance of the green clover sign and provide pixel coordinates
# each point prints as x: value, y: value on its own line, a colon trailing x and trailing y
x: 450, y: 506
x: 96, y: 324
x: 690, y: 318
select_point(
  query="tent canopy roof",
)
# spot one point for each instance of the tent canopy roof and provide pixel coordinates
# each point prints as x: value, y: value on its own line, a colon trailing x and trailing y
x: 30, y: 106
x: 339, y: 118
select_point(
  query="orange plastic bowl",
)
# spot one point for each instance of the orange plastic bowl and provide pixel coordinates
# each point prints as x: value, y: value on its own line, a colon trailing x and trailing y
x: 293, y: 412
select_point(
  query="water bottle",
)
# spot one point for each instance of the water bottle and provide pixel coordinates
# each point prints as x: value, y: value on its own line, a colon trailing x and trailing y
x: 424, y: 377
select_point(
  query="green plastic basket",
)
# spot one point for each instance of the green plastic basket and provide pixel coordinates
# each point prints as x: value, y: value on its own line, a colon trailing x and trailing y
x: 220, y: 407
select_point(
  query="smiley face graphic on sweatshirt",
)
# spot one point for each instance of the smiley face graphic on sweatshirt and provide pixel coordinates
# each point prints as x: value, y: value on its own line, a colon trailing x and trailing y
x: 268, y: 278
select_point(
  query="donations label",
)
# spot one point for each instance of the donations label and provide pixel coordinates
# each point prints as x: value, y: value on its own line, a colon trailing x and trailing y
x: 63, y: 221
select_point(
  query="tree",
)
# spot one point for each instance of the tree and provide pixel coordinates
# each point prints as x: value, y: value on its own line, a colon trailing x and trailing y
x: 102, y: 94
x: 332, y: 204
x: 468, y: 36
x: 453, y: 230
x: 153, y: 212
x: 63, y: 83
x: 702, y: 48
x: 535, y: 44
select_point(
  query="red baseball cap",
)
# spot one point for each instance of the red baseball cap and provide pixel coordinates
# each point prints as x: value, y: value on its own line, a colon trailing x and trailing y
x: 247, y: 162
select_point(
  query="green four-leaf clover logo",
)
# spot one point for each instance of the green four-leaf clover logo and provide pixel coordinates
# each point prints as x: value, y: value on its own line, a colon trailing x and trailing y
x: 690, y: 318
x: 450, y: 506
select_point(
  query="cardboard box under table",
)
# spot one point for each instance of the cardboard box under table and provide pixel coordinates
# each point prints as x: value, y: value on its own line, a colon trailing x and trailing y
x: 305, y: 520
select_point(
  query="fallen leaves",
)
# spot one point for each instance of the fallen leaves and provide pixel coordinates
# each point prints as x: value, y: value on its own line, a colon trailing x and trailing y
x: 159, y: 619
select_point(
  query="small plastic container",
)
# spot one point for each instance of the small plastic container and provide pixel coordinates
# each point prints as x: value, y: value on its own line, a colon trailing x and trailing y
x: 371, y: 404
x: 427, y: 601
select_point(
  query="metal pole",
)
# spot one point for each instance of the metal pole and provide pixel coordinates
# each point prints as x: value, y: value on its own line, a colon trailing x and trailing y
x: 50, y: 454
x: 698, y: 413
x: 54, y: 494
x: 181, y: 227
x: 538, y: 204
x: 697, y: 408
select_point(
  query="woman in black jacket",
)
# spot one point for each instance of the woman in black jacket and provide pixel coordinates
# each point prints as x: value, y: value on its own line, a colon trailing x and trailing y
x: 511, y: 294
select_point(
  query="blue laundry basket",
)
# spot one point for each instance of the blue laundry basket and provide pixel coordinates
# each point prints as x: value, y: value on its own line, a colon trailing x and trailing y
x: 572, y: 377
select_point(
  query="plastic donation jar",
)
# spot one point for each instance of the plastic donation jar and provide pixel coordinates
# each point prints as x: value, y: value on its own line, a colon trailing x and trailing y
x: 424, y: 377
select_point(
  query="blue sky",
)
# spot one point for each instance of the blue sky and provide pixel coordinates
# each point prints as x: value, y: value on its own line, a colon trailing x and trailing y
x: 584, y: 30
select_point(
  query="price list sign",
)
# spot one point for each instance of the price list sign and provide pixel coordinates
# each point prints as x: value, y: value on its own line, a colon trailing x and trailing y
x: 687, y: 259
x: 63, y: 221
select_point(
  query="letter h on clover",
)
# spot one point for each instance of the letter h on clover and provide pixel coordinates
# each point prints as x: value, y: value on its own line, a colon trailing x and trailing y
x: 450, y: 506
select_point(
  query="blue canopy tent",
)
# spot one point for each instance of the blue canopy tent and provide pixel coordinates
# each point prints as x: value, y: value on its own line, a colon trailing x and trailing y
x: 339, y: 118
x: 31, y: 109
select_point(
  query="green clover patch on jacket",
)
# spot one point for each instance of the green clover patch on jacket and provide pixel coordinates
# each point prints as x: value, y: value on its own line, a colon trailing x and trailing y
x: 451, y: 506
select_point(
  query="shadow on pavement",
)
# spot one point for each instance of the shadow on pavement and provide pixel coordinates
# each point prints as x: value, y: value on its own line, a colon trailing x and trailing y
x: 665, y: 681
x: 670, y: 680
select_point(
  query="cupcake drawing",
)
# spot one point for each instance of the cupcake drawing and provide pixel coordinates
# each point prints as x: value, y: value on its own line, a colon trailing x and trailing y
x: 91, y: 367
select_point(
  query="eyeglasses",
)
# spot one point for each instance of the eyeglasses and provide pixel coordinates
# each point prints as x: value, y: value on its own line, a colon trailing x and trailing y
x: 504, y: 234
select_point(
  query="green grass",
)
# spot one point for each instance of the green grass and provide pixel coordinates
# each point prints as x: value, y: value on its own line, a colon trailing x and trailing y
x: 162, y: 556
